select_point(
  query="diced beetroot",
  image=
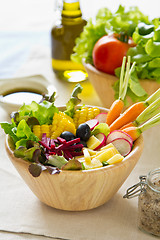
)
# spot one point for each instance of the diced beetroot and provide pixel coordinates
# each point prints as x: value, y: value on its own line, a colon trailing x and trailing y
x: 74, y: 146
x: 61, y: 140
x: 45, y: 145
x: 71, y: 142
x: 67, y: 154
x: 52, y: 153
x: 56, y: 141
x: 60, y: 147
x: 74, y: 154
x: 52, y: 144
x: 64, y: 148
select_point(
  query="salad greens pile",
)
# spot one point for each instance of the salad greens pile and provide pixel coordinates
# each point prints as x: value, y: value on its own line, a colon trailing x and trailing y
x: 25, y: 143
x: 145, y: 33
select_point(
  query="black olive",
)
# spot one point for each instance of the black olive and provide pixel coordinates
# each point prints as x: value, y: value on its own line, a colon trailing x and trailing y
x: 83, y: 142
x: 83, y: 132
x: 67, y: 136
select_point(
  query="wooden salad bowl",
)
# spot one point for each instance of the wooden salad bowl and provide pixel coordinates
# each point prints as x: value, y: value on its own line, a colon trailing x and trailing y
x: 103, y: 82
x: 77, y: 190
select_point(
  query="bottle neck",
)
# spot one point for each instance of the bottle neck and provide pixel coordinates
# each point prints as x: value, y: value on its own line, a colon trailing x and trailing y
x: 71, y: 9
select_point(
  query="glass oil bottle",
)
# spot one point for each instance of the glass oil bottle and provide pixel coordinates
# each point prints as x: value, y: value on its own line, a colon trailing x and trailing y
x: 67, y: 28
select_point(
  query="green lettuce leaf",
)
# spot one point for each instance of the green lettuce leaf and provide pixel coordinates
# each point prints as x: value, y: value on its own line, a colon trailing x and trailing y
x: 24, y: 134
x: 101, y: 128
x: 73, y: 101
x: 10, y: 129
x: 104, y: 23
x: 136, y: 87
x: 57, y: 161
x: 152, y: 48
x: 132, y: 22
x: 43, y: 112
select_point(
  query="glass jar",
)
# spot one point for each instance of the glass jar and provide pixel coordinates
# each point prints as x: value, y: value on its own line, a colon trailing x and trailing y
x: 148, y: 202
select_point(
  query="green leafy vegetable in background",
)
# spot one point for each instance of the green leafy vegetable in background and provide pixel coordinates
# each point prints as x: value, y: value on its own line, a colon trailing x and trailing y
x: 106, y: 22
x: 145, y: 33
x: 73, y: 101
x: 146, y: 54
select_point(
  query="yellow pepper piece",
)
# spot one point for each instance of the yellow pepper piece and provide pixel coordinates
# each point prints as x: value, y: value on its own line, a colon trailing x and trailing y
x: 93, y: 142
x: 110, y: 145
x: 95, y: 163
x: 91, y: 152
x: 105, y: 155
x: 115, y: 159
x: 87, y: 156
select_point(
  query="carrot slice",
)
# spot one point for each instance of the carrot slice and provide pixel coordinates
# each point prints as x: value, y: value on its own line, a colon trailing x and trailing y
x: 134, y: 132
x: 128, y: 116
x: 114, y: 111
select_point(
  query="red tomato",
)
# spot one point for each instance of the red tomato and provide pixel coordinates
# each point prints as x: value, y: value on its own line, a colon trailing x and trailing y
x: 108, y: 53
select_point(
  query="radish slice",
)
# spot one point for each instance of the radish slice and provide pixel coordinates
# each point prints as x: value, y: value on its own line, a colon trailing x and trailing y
x: 92, y: 123
x: 118, y: 134
x: 102, y: 138
x: 101, y: 117
x: 123, y: 146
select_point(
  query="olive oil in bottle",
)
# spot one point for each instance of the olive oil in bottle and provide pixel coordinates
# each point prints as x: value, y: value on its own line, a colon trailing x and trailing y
x: 63, y: 36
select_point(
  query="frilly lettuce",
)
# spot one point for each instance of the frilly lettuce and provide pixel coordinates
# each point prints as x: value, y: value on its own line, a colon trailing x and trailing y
x: 43, y: 112
x: 145, y: 33
x: 146, y: 54
x: 104, y: 23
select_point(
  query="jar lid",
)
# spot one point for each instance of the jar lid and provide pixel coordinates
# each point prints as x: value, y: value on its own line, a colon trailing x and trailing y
x: 153, y: 180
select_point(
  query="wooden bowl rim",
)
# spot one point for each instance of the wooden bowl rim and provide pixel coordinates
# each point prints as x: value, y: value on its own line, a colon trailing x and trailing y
x: 137, y: 147
x: 91, y: 68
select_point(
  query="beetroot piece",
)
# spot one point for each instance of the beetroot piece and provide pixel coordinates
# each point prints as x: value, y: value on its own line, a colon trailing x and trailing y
x: 61, y: 147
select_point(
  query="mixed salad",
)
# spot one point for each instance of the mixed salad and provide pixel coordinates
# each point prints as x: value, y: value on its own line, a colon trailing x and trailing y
x: 52, y: 139
x: 107, y: 38
x: 79, y: 137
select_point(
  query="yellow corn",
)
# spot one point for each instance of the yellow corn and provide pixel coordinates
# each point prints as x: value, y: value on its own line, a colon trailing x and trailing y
x: 62, y: 122
x: 45, y: 129
x: 39, y: 130
x: 84, y: 114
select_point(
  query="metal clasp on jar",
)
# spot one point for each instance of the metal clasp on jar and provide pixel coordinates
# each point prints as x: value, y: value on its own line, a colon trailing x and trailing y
x: 136, y: 189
